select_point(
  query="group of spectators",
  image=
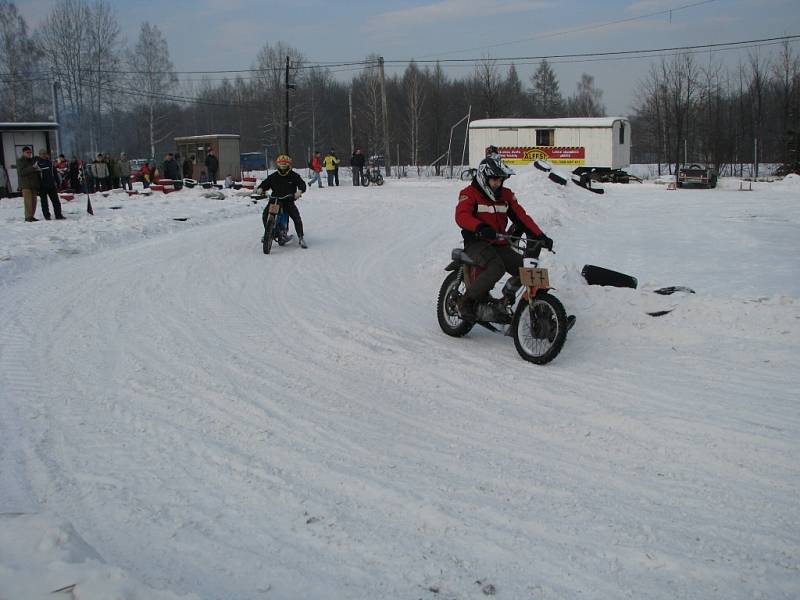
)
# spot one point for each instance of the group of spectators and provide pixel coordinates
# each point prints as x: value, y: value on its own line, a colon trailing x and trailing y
x: 331, y: 165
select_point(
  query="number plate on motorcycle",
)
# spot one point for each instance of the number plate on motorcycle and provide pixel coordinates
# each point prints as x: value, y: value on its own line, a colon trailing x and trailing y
x: 274, y: 208
x: 531, y: 277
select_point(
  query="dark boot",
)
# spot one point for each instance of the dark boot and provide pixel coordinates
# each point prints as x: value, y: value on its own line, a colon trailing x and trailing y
x: 466, y: 308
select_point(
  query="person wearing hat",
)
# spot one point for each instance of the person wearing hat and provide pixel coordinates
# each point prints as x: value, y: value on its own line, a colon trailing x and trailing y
x: 28, y: 173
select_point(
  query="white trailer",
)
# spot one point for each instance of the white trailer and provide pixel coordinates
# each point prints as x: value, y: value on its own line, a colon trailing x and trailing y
x: 584, y: 144
x: 15, y: 136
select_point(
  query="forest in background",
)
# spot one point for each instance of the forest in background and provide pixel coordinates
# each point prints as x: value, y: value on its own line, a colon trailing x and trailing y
x: 114, y: 97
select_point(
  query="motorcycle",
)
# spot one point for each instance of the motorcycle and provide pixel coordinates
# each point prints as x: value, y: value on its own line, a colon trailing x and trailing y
x: 372, y: 175
x: 527, y: 311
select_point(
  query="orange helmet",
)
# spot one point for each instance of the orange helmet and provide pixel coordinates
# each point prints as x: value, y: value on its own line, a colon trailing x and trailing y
x: 283, y: 163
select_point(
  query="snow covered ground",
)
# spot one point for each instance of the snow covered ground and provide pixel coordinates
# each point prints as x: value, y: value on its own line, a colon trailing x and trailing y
x: 184, y: 417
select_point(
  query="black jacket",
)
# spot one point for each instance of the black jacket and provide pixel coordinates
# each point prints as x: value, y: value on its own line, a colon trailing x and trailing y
x: 48, y: 175
x: 283, y: 185
x: 212, y: 163
x: 358, y: 160
x: 171, y: 170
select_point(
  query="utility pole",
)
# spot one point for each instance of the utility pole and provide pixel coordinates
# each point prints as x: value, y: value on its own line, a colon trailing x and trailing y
x: 385, y: 119
x: 55, y: 116
x: 350, y: 104
x: 286, y: 134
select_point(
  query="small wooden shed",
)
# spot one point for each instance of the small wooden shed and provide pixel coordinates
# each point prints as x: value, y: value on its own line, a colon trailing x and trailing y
x: 580, y: 143
x: 225, y: 146
x: 15, y: 136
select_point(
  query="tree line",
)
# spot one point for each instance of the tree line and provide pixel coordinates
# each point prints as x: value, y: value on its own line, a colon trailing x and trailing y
x: 116, y: 98
x: 113, y: 97
x: 730, y: 118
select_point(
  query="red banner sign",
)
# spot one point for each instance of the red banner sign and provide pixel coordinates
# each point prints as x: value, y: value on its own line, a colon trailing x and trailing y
x: 556, y: 156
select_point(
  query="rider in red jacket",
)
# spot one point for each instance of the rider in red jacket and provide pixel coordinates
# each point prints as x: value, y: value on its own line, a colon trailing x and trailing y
x: 484, y: 209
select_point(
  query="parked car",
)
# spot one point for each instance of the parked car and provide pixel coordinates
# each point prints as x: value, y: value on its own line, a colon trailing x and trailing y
x: 697, y: 175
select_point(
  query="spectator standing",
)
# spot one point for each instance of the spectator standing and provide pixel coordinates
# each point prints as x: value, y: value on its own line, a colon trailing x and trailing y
x: 29, y: 179
x: 188, y: 167
x: 212, y: 166
x: 316, y: 169
x: 74, y: 174
x: 331, y: 167
x: 124, y: 172
x: 62, y: 168
x: 113, y: 171
x: 172, y: 170
x: 3, y: 182
x: 99, y: 172
x: 48, y: 186
x: 357, y: 162
x: 144, y: 173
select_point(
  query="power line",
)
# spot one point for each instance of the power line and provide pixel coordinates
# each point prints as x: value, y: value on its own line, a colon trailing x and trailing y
x: 668, y: 11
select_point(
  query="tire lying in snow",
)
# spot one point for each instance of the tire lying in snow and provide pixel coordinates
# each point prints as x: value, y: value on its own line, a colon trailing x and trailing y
x: 595, y: 275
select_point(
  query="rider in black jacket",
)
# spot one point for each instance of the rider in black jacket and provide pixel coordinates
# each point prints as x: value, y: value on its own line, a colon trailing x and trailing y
x: 285, y: 182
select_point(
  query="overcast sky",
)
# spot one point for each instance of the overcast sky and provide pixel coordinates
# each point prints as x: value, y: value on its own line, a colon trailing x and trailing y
x: 227, y: 34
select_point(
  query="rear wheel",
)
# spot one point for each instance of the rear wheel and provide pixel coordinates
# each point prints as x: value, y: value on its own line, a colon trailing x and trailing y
x: 540, y: 328
x: 446, y: 309
x: 365, y: 181
x: 269, y: 233
x: 467, y: 174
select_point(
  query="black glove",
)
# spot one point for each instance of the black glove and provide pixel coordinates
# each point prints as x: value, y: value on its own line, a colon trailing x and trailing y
x: 544, y: 242
x: 486, y: 232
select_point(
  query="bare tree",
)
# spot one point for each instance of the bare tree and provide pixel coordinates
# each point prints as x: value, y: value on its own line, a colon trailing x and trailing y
x: 415, y: 84
x: 368, y: 108
x: 152, y: 68
x: 19, y: 78
x: 81, y: 42
x: 271, y: 65
x: 488, y: 88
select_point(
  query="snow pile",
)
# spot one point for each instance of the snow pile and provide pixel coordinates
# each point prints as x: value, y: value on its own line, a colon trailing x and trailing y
x: 43, y: 558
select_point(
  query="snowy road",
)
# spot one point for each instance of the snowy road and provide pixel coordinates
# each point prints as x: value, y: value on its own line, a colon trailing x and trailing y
x: 220, y: 422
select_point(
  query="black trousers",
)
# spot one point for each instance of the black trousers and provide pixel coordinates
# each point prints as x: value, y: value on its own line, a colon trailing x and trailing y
x: 290, y: 208
x: 53, y: 195
x: 495, y: 261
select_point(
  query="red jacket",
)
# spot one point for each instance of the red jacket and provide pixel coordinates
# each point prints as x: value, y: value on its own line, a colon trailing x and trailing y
x: 316, y: 165
x: 475, y: 209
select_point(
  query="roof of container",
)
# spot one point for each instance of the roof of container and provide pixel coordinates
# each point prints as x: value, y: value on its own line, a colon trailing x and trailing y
x: 567, y: 122
x: 207, y: 137
x: 29, y: 125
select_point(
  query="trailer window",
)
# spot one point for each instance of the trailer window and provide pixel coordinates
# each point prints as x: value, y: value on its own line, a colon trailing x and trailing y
x: 622, y: 133
x: 545, y: 137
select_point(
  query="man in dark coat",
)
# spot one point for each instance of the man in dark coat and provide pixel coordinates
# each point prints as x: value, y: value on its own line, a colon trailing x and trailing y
x: 48, y: 186
x: 212, y: 166
x: 357, y: 162
x: 188, y: 167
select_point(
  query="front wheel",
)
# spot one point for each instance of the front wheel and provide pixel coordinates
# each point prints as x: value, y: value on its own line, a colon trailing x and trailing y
x: 379, y: 180
x: 446, y: 310
x: 540, y: 328
x: 269, y: 233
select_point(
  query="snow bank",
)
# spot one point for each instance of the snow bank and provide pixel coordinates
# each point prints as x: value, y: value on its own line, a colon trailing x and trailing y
x: 44, y: 558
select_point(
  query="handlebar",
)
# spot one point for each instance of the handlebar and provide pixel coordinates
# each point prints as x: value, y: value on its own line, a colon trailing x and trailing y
x: 286, y: 197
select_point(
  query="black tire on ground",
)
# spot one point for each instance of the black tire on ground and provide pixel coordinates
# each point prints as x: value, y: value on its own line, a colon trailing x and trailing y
x: 365, y: 181
x: 542, y: 166
x: 557, y: 178
x: 540, y: 328
x: 595, y: 275
x: 269, y: 234
x: 446, y: 311
x: 379, y: 180
x: 467, y: 174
